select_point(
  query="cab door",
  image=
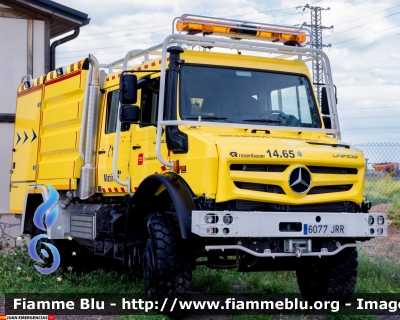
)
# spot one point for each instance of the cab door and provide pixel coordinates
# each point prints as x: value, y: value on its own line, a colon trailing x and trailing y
x: 105, y: 181
x: 144, y: 161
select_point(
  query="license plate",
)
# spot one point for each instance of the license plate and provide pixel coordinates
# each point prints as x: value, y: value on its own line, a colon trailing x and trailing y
x: 324, y: 229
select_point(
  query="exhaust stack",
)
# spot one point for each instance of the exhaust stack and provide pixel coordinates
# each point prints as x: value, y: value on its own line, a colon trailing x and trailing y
x: 87, y: 183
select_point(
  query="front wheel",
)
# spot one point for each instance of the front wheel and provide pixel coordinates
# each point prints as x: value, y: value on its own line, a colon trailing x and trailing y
x: 166, y: 266
x: 332, y: 278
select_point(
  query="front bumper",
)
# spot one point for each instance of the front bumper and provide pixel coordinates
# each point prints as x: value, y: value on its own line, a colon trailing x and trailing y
x: 240, y: 224
x: 296, y: 253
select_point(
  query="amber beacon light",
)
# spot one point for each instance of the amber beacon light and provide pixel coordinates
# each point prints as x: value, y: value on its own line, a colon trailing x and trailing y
x: 239, y: 30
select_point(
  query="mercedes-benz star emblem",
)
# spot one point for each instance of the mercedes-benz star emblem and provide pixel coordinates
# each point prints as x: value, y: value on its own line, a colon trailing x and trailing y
x: 300, y: 180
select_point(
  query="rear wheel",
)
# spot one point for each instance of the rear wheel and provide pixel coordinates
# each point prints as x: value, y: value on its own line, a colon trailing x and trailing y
x: 332, y: 278
x: 166, y: 266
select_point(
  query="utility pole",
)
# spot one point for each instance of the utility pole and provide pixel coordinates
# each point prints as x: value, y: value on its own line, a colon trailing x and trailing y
x: 316, y: 43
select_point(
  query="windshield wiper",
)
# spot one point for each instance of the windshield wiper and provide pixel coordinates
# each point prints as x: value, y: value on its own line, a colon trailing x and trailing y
x: 207, y: 118
x: 263, y: 120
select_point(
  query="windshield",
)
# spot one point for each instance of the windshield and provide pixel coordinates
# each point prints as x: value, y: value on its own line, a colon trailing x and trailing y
x: 243, y: 96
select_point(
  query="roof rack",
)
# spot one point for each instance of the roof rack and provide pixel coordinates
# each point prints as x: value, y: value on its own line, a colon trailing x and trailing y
x: 230, y: 29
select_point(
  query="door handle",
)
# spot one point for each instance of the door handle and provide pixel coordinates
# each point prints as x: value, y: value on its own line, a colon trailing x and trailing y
x: 101, y: 151
x: 136, y: 147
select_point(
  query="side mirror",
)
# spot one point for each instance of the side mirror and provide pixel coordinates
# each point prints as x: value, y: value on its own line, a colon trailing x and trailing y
x: 128, y: 88
x: 327, y: 121
x: 324, y: 102
x: 129, y: 114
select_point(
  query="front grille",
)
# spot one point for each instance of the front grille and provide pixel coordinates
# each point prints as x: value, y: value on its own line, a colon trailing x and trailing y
x: 259, y: 167
x: 282, y: 167
x: 332, y: 170
x: 275, y: 188
x: 330, y: 189
x: 270, y: 188
x: 242, y: 205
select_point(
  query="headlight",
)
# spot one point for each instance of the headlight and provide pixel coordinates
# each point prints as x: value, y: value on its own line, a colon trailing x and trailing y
x: 225, y: 230
x: 379, y: 231
x: 371, y: 220
x: 380, y: 220
x: 371, y: 231
x: 211, y: 218
x: 227, y: 219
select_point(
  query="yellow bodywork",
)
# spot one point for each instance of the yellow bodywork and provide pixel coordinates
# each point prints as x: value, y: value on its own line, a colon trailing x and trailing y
x: 47, y: 132
x: 62, y: 107
x: 206, y: 167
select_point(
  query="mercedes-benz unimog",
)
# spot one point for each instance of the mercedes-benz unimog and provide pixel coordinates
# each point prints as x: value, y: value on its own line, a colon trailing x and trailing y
x: 211, y: 149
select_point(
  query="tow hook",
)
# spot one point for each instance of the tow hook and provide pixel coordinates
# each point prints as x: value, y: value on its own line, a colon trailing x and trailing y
x: 298, y: 252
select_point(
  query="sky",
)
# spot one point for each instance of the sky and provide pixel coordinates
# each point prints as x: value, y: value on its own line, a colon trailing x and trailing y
x: 364, y: 52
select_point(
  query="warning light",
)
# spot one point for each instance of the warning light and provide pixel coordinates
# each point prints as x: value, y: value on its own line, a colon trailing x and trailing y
x: 239, y: 30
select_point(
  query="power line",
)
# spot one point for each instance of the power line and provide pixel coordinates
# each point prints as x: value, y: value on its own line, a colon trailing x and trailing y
x: 241, y: 15
x: 370, y: 117
x: 299, y: 12
x: 349, y: 7
x: 331, y: 14
x: 92, y: 34
x: 347, y: 1
x: 280, y: 15
x: 113, y: 37
x: 340, y: 9
x: 166, y: 25
x: 362, y: 25
x: 391, y: 107
x: 99, y: 54
x: 366, y: 35
x: 366, y: 15
x: 123, y: 36
x: 371, y: 128
x: 135, y: 34
x: 128, y: 45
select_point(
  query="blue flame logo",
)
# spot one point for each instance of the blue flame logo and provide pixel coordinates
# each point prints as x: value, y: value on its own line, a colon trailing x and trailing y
x: 43, y: 222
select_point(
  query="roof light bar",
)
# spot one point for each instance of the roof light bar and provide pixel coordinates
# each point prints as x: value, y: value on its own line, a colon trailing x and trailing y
x: 236, y: 29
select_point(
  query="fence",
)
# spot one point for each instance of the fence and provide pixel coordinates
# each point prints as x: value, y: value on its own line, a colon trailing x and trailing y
x: 382, y: 180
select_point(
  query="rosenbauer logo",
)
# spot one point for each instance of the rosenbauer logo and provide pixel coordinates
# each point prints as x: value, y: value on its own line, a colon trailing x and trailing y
x: 43, y: 222
x: 246, y: 155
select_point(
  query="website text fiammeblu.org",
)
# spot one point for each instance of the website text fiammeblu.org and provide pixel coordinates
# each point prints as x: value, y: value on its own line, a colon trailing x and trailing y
x: 236, y: 304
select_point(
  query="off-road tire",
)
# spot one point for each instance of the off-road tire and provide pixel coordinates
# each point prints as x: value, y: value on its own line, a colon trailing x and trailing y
x: 329, y: 279
x: 166, y: 267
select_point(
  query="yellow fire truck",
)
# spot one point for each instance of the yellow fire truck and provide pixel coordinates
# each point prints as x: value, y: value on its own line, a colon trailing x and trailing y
x: 211, y: 149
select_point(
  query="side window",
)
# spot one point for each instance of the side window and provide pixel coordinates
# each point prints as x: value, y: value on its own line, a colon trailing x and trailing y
x: 112, y: 113
x: 293, y: 101
x: 148, y: 107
